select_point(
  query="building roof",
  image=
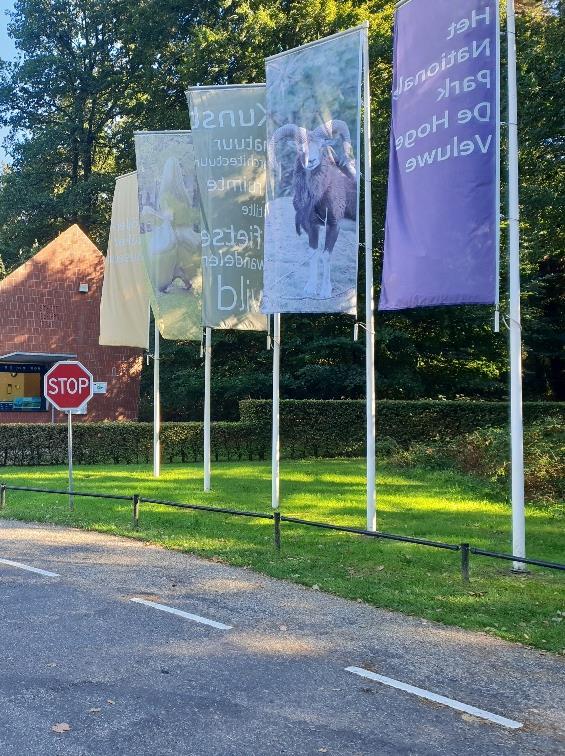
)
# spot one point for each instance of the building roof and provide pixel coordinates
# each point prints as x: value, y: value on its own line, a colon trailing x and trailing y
x: 34, y: 358
x: 55, y: 254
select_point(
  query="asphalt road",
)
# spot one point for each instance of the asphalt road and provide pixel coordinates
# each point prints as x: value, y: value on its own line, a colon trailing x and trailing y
x: 130, y: 679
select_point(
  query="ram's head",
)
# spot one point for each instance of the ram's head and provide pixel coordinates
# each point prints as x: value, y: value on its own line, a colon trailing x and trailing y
x: 312, y: 146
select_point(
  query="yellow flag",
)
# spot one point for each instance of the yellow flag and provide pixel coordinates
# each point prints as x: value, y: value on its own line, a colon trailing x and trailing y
x: 124, y: 309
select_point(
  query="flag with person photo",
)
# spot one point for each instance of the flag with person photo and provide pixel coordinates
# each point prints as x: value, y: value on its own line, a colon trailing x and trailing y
x: 170, y: 230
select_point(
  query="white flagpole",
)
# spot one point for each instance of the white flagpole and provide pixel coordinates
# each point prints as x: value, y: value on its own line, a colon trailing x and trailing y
x: 516, y: 424
x: 156, y: 407
x: 369, y: 293
x: 207, y: 403
x: 275, y: 463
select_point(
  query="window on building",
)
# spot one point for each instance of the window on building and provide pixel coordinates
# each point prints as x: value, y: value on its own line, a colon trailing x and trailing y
x: 21, y: 388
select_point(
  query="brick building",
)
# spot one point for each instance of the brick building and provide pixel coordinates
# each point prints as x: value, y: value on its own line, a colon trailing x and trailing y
x: 50, y: 310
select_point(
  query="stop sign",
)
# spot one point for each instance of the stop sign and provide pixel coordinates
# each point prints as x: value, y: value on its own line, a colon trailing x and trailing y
x: 68, y: 385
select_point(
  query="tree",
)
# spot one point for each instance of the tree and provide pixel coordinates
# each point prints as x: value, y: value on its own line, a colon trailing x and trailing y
x: 91, y: 72
x: 540, y: 44
x: 63, y: 94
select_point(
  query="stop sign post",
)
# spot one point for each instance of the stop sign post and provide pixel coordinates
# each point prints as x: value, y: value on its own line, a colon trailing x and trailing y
x: 68, y: 385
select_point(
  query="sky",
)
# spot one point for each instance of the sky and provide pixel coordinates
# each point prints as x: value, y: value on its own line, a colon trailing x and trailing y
x: 7, y: 51
x: 6, y: 45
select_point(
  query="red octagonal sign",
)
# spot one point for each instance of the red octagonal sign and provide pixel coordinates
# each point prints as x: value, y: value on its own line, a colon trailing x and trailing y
x: 68, y: 385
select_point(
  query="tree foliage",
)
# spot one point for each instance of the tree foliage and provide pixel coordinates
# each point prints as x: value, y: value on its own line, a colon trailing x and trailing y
x: 90, y: 72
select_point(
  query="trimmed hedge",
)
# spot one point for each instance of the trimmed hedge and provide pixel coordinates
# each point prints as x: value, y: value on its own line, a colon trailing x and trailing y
x: 309, y: 428
x: 328, y: 428
x: 123, y: 443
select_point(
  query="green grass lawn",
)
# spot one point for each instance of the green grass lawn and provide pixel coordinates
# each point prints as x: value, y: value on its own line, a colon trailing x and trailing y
x: 409, y: 578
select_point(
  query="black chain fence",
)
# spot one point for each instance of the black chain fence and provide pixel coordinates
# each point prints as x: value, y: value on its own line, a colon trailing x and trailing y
x: 465, y: 549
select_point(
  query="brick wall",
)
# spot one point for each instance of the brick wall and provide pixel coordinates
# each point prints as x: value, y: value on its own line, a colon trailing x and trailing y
x: 42, y: 310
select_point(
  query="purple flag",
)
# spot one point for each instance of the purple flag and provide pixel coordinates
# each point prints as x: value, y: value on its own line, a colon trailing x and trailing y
x: 442, y: 220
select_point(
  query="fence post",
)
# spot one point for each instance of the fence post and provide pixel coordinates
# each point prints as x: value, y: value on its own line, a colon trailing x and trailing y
x: 135, y: 499
x: 2, y: 496
x: 277, y: 521
x: 465, y: 562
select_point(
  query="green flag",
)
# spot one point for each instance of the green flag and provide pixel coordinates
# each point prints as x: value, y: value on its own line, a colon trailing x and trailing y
x: 229, y: 136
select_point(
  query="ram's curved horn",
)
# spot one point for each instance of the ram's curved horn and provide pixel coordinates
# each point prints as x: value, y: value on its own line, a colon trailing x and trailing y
x: 329, y: 128
x: 288, y: 131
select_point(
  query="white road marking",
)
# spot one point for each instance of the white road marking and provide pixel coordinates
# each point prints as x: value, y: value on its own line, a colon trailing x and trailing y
x: 422, y: 693
x: 28, y: 568
x: 186, y: 615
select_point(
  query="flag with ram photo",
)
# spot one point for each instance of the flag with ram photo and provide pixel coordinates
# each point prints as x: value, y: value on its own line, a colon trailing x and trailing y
x: 312, y: 216
x: 170, y: 229
x: 229, y: 135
